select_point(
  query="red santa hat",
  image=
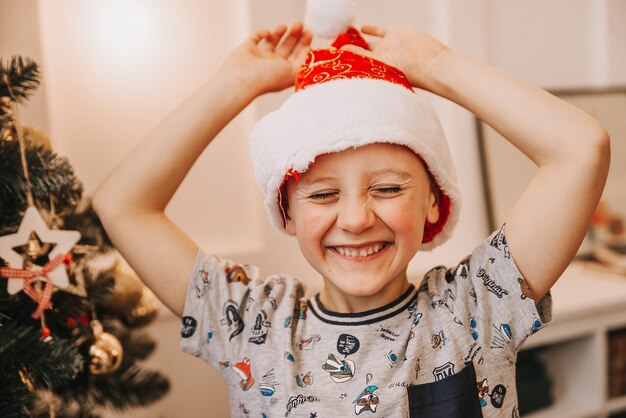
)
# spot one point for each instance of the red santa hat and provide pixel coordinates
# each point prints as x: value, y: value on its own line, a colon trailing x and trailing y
x: 345, y: 100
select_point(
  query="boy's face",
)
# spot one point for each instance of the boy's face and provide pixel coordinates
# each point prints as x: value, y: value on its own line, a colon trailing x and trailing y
x: 359, y: 216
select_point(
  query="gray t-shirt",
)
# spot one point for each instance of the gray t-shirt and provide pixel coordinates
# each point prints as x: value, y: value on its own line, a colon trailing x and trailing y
x: 445, y: 349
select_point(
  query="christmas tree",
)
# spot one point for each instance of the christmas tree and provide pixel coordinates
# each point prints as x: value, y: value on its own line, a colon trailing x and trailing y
x: 71, y: 310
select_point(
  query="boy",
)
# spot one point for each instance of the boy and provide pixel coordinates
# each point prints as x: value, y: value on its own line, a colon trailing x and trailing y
x: 370, y: 342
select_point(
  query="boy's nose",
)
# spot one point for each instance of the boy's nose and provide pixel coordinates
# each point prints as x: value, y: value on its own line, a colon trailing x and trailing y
x: 355, y: 216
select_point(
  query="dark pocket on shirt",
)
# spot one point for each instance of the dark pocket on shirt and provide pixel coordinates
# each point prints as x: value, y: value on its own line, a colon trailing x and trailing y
x: 455, y: 396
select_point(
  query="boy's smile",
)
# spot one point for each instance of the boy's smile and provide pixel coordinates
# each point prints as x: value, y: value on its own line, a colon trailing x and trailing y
x: 359, y: 217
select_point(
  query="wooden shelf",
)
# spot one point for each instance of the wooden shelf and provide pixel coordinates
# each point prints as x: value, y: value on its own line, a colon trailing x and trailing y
x: 588, y: 303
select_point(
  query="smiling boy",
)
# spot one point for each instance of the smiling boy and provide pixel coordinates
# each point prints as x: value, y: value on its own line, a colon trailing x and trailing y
x: 359, y: 217
x: 355, y: 166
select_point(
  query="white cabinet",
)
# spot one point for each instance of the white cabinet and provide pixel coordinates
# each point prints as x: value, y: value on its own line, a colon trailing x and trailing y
x: 589, y: 302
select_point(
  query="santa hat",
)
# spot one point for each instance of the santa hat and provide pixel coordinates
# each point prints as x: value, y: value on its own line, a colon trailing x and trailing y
x: 345, y: 100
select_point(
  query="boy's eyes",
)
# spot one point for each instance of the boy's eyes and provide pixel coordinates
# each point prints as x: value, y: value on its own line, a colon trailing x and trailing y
x: 332, y: 194
x: 389, y: 189
x: 322, y: 196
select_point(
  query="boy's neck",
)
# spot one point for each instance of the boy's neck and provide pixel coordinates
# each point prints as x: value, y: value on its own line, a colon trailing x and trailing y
x: 335, y: 300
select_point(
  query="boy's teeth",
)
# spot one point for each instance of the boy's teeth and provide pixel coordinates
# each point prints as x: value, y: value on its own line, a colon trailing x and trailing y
x: 363, y: 252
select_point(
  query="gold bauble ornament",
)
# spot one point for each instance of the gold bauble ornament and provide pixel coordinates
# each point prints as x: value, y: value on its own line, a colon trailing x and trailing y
x: 105, y: 351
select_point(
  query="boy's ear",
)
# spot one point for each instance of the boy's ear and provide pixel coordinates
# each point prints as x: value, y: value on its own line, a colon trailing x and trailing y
x: 290, y: 225
x: 432, y: 214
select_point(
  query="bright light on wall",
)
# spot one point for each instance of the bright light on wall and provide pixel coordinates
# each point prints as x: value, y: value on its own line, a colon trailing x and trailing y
x: 123, y: 29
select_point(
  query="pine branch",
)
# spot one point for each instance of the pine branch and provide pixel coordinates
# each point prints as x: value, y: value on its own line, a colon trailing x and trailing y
x: 50, y: 363
x: 22, y: 75
x: 130, y: 388
x: 100, y: 288
x: 14, y: 397
x: 50, y: 174
x: 6, y: 118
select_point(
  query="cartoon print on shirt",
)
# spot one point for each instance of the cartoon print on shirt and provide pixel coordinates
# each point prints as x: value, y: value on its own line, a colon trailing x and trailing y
x: 289, y: 357
x: 303, y: 380
x: 536, y: 325
x: 387, y: 333
x: 267, y: 289
x: 502, y: 336
x: 367, y: 400
x: 202, y: 282
x: 483, y: 391
x: 416, y: 317
x: 499, y: 242
x: 188, y: 326
x: 515, y: 413
x: 309, y: 343
x: 473, y: 326
x: 496, y: 396
x: 447, y: 296
x: 209, y: 336
x: 392, y: 358
x: 260, y: 328
x: 526, y: 292
x: 340, y: 370
x: 288, y: 321
x: 443, y: 371
x: 348, y: 344
x: 244, y: 372
x: 438, y: 340
x: 462, y: 269
x: 473, y: 352
x: 232, y: 319
x: 296, y: 401
x: 417, y: 368
x: 236, y: 273
x: 304, y: 306
x: 491, y: 284
x: 268, y: 384
x: 249, y: 303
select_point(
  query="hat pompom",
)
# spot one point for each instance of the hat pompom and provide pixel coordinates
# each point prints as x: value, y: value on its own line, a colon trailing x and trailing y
x: 329, y: 18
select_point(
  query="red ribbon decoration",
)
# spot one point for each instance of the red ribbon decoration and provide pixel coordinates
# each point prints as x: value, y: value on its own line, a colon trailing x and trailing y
x: 43, y: 299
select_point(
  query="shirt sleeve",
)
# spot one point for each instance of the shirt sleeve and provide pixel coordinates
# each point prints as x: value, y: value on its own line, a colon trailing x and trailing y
x: 228, y: 308
x: 491, y: 298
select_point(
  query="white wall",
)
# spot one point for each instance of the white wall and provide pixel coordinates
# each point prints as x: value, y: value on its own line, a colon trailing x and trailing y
x: 113, y: 69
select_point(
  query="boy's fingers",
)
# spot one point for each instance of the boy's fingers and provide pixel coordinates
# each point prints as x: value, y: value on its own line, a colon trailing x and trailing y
x: 274, y: 37
x: 373, y: 30
x: 302, y: 47
x: 259, y: 36
x: 287, y: 45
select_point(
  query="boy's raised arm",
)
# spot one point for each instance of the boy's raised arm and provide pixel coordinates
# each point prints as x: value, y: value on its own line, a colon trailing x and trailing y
x: 570, y: 148
x: 131, y: 200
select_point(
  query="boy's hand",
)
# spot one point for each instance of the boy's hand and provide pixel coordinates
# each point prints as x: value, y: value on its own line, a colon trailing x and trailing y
x: 406, y: 48
x: 268, y: 60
